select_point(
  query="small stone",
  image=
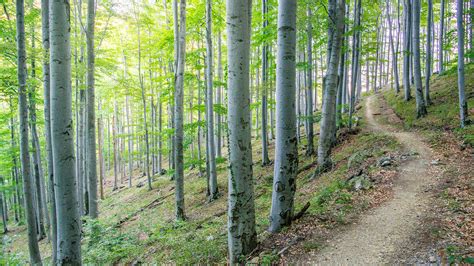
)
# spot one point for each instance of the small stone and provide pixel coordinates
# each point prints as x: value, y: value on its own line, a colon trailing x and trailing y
x: 386, y: 163
x: 436, y: 162
x: 432, y: 259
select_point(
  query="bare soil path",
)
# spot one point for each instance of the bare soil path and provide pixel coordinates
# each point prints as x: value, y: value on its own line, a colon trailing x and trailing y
x: 382, y: 232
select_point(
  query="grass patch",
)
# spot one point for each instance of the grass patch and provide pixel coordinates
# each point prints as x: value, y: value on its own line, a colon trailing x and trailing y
x: 443, y: 113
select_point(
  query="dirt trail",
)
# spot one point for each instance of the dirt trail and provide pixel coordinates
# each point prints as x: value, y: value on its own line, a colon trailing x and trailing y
x: 382, y: 232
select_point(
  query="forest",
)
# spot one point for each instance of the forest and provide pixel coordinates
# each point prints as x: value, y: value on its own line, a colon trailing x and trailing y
x: 330, y: 132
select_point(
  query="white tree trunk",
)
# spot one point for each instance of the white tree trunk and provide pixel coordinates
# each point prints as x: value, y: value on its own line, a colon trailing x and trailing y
x: 286, y: 151
x: 462, y: 98
x: 420, y: 102
x: 242, y: 237
x: 69, y: 222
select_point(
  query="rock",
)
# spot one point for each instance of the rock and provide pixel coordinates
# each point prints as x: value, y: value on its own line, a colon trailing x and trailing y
x: 432, y: 259
x: 361, y: 182
x: 436, y: 162
x: 385, y: 161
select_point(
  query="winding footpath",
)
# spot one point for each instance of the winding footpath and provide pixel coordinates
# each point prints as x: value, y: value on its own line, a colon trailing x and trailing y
x: 382, y: 232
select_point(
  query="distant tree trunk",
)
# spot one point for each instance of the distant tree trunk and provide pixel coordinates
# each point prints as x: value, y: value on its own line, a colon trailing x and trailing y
x: 428, y: 53
x: 441, y: 39
x: 377, y: 52
x: 463, y: 114
x: 213, y: 190
x: 114, y: 139
x: 420, y: 102
x: 100, y: 131
x: 340, y: 82
x: 242, y: 237
x: 219, y: 96
x: 406, y: 48
x: 145, y: 125
x: 309, y: 89
x: 265, y: 159
x: 69, y: 223
x: 355, y: 58
x: 28, y: 182
x: 286, y: 153
x: 130, y: 142
x: 81, y: 148
x: 3, y: 210
x: 91, y: 144
x: 47, y: 124
x: 329, y: 100
x: 178, y: 114
x: 392, y: 47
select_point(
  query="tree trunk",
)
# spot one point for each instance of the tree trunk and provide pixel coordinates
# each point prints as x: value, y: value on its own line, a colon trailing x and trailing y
x: 420, y: 102
x: 428, y: 53
x: 178, y: 113
x: 91, y: 144
x: 441, y: 39
x: 115, y: 144
x: 3, y: 209
x: 286, y: 151
x: 463, y: 114
x: 265, y: 159
x: 69, y: 223
x: 309, y: 89
x: 406, y: 49
x: 100, y: 131
x: 355, y: 58
x: 219, y: 96
x: 47, y: 124
x: 28, y: 182
x: 213, y: 190
x: 392, y: 47
x: 242, y: 237
x: 329, y: 101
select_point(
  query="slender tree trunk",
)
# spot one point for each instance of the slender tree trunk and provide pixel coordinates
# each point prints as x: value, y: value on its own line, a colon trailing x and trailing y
x: 463, y: 114
x: 309, y: 89
x: 392, y: 47
x: 286, y: 153
x: 428, y: 53
x: 329, y: 101
x: 47, y: 124
x: 420, y: 102
x: 145, y: 125
x: 219, y: 96
x: 213, y: 190
x: 69, y: 223
x: 355, y: 59
x: 100, y: 131
x: 91, y: 144
x: 3, y: 209
x: 115, y: 144
x: 178, y: 114
x: 242, y: 237
x: 441, y: 39
x: 28, y: 182
x: 406, y: 49
x: 265, y: 158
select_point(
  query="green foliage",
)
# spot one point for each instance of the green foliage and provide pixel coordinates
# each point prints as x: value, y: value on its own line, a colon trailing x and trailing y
x: 334, y: 193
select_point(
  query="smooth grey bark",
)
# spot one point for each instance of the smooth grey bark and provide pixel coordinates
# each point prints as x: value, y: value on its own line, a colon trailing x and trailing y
x: 242, y: 236
x: 42, y: 213
x: 145, y: 125
x: 28, y: 182
x: 420, y: 102
x: 178, y: 114
x: 463, y: 114
x: 91, y: 138
x: 47, y: 124
x: 219, y: 96
x: 115, y: 144
x: 392, y: 47
x: 341, y: 82
x: 130, y: 144
x: 69, y: 223
x: 355, y: 58
x: 213, y: 190
x: 309, y: 88
x: 406, y: 48
x: 441, y: 39
x: 3, y: 209
x: 100, y: 136
x: 428, y: 53
x: 328, y: 124
x: 286, y: 150
x: 264, y: 123
x: 81, y: 147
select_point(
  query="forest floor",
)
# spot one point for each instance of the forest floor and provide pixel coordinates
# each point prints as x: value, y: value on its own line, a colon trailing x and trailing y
x: 400, y: 191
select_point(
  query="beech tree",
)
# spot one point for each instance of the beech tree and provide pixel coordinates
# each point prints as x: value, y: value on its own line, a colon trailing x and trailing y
x: 68, y: 217
x: 286, y: 155
x: 242, y: 237
x: 463, y: 114
x: 28, y: 182
x: 420, y: 102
